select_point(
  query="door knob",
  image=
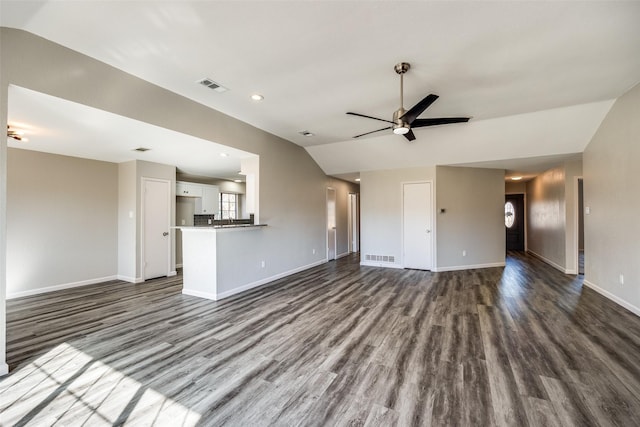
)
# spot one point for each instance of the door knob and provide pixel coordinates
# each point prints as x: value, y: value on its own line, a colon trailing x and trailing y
x: 428, y: 231
x: 166, y: 233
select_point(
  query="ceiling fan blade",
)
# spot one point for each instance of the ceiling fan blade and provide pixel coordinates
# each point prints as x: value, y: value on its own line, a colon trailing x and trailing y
x: 409, y: 135
x: 369, y: 117
x: 417, y: 109
x: 419, y: 123
x: 373, y: 131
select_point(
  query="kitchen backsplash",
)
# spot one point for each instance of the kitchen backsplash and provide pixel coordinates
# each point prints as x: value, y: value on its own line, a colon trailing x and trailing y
x: 203, y: 220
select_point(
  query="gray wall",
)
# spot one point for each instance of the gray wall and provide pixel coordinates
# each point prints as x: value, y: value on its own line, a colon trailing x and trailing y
x: 611, y: 182
x: 552, y: 216
x: 474, y: 221
x: 62, y: 222
x: 474, y: 218
x: 381, y: 209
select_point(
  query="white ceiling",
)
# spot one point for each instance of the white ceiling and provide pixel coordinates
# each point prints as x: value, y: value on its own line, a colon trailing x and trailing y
x: 512, y: 66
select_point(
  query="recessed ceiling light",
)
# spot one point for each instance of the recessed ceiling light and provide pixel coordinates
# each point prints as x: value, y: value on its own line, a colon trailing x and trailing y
x: 224, y: 155
x: 16, y: 134
x: 357, y: 179
x: 237, y: 180
x: 306, y: 133
x: 257, y: 97
x: 516, y: 178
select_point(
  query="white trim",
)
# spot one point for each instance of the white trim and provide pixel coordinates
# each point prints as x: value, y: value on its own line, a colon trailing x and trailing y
x: 468, y: 267
x: 4, y: 369
x: 130, y: 279
x: 199, y: 294
x: 381, y: 264
x: 548, y: 261
x: 172, y: 273
x: 62, y: 286
x: 342, y: 255
x: 257, y: 283
x: 632, y: 308
x: 326, y: 222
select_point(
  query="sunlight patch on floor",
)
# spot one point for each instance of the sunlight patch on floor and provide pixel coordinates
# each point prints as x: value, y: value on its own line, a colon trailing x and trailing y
x: 69, y: 387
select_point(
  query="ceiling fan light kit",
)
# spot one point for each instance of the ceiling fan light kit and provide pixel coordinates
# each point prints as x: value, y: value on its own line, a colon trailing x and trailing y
x: 403, y: 120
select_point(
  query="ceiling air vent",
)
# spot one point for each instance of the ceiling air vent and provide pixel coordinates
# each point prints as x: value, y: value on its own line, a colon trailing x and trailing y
x: 212, y: 85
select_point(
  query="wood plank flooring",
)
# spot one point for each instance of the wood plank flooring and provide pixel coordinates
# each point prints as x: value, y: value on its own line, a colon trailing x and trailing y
x: 339, y: 344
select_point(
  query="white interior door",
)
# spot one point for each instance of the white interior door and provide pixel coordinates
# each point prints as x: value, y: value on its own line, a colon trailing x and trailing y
x: 156, y: 208
x: 331, y: 223
x: 417, y: 236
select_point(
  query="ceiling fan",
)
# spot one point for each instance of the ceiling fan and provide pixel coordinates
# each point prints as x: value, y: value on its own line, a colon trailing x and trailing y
x: 403, y: 120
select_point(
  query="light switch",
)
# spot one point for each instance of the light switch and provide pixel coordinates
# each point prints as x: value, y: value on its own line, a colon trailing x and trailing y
x: 587, y: 210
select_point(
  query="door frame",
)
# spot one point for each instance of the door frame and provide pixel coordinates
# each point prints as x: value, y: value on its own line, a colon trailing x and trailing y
x: 434, y: 256
x: 524, y: 214
x: 143, y: 180
x: 576, y: 219
x: 353, y: 230
x: 326, y: 212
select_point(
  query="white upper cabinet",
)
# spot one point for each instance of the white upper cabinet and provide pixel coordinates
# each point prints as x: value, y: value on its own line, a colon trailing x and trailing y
x: 188, y: 189
x: 210, y: 200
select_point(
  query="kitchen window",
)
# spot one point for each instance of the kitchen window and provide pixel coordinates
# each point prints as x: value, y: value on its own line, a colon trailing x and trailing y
x: 228, y: 206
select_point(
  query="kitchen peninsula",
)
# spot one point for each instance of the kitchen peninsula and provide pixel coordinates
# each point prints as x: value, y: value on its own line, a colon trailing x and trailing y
x: 215, y: 261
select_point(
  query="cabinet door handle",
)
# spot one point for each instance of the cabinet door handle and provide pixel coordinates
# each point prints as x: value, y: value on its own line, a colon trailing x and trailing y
x: 166, y: 233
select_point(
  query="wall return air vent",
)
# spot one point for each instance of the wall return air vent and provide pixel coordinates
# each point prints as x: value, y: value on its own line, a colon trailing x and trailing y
x: 380, y: 258
x: 212, y: 85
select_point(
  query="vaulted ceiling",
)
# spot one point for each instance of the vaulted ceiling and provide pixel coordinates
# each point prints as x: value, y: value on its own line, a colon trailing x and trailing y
x: 537, y: 78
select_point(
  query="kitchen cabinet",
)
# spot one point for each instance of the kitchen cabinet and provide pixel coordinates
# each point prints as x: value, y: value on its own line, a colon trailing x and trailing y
x: 207, y: 197
x: 210, y: 200
x: 188, y: 189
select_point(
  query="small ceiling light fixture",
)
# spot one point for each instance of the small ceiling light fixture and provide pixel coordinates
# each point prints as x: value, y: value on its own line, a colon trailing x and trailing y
x: 237, y: 180
x: 306, y: 133
x: 516, y: 178
x: 16, y: 134
x: 224, y: 155
x: 257, y: 97
x: 141, y: 149
x: 357, y: 179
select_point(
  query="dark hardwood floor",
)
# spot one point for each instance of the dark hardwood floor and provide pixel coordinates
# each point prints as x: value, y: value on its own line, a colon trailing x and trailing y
x: 339, y: 344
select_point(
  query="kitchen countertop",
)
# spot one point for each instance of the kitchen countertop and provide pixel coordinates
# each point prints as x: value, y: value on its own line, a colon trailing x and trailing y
x: 219, y: 227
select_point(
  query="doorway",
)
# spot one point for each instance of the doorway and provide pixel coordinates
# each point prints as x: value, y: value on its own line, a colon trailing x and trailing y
x: 331, y: 224
x: 353, y: 224
x: 580, y: 225
x: 514, y: 221
x: 156, y: 220
x: 417, y: 239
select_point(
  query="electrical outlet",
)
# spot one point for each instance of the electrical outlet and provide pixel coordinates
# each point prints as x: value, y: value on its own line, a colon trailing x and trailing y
x: 622, y: 279
x: 313, y: 251
x: 183, y: 222
x: 262, y: 264
x: 464, y: 253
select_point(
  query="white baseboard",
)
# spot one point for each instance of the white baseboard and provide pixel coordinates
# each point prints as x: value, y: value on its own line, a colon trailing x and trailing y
x: 548, y: 261
x: 632, y: 308
x: 342, y: 255
x: 266, y: 280
x: 468, y: 267
x: 12, y: 295
x: 130, y: 279
x: 4, y: 369
x: 199, y: 294
x: 380, y: 264
x: 172, y: 273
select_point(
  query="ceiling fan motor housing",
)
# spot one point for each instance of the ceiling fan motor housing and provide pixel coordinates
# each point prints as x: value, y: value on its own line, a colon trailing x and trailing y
x: 400, y: 127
